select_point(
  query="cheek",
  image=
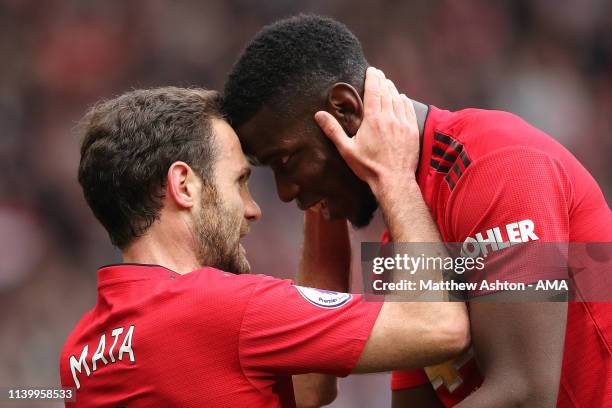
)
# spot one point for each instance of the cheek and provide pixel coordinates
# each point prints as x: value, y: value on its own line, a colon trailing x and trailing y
x: 314, y: 167
x: 338, y: 175
x: 245, y: 200
x: 238, y: 205
x: 232, y: 204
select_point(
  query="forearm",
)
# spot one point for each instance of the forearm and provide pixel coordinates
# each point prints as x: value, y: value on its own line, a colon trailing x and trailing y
x: 519, y: 349
x: 409, y: 222
x: 326, y: 263
x: 509, y: 394
x: 491, y: 395
x: 406, y: 215
x: 439, y: 327
x: 314, y: 390
x: 326, y: 254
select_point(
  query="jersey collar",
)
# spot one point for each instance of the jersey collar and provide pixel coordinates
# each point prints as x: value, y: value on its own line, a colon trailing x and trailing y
x: 109, y: 274
x: 428, y: 131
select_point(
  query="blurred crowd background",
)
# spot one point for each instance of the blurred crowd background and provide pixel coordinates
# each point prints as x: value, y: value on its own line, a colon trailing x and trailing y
x: 549, y: 61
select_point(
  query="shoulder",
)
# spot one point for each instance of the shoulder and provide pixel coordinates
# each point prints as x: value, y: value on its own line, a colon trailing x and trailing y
x: 213, y: 290
x: 215, y: 280
x: 483, y: 119
x: 523, y: 169
x: 483, y: 131
x: 484, y: 135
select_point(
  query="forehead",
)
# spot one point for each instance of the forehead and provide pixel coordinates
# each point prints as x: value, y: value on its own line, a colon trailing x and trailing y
x: 268, y: 131
x: 229, y: 152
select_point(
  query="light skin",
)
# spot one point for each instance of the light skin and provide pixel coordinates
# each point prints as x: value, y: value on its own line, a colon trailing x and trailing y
x: 428, y: 332
x: 173, y: 240
x: 516, y: 374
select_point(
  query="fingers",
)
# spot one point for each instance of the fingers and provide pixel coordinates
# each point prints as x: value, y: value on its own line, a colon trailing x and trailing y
x: 332, y: 129
x: 372, y: 94
x: 409, y: 109
x: 386, y: 100
x: 396, y: 99
x: 381, y: 95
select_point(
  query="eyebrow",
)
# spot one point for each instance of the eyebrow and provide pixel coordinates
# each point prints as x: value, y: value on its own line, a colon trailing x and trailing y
x: 269, y: 155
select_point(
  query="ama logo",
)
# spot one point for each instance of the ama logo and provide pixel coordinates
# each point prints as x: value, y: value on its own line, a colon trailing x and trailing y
x: 497, y: 238
x: 326, y: 299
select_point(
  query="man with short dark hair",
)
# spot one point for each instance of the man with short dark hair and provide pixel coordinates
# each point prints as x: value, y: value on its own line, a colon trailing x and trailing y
x: 489, y: 180
x: 181, y: 322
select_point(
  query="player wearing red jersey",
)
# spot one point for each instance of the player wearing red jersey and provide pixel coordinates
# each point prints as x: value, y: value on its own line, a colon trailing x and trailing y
x: 487, y: 177
x: 181, y: 322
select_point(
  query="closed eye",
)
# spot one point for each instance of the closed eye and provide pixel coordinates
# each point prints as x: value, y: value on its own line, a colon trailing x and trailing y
x: 244, y: 175
x: 280, y: 161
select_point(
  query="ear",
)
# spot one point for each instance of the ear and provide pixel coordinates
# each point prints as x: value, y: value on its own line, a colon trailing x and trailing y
x: 183, y: 186
x: 344, y: 103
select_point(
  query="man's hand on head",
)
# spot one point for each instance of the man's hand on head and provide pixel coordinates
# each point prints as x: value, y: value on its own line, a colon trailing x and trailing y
x: 386, y: 146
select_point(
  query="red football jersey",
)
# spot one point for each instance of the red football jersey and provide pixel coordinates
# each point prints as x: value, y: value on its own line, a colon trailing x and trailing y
x: 488, y: 176
x: 208, y: 338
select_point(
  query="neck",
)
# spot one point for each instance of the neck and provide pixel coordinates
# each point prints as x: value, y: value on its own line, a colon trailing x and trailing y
x: 164, y: 248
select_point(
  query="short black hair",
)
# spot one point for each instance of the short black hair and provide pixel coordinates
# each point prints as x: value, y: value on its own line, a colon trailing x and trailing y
x: 298, y: 57
x: 129, y: 144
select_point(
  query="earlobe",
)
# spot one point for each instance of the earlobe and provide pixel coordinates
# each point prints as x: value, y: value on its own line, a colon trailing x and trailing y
x: 344, y: 103
x: 179, y: 185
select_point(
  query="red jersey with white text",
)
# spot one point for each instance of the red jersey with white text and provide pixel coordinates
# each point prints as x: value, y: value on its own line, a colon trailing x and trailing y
x: 488, y: 176
x: 208, y: 338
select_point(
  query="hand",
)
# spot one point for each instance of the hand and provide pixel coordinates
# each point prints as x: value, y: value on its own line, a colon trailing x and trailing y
x: 386, y: 146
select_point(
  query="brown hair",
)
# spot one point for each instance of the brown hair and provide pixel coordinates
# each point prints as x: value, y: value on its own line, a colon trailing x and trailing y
x: 128, y: 146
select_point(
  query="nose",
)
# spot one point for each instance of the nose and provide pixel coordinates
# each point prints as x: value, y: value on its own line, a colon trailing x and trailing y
x: 287, y: 191
x: 252, y: 212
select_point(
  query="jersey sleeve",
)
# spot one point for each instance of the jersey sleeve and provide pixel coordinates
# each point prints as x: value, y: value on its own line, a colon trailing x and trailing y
x: 514, y: 194
x: 289, y: 329
x: 511, y: 208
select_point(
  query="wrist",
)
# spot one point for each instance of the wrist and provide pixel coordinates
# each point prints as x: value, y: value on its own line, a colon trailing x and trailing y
x: 392, y: 188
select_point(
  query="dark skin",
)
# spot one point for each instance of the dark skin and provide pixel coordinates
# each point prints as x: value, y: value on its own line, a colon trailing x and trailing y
x: 518, y: 349
x: 518, y: 346
x: 302, y: 157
